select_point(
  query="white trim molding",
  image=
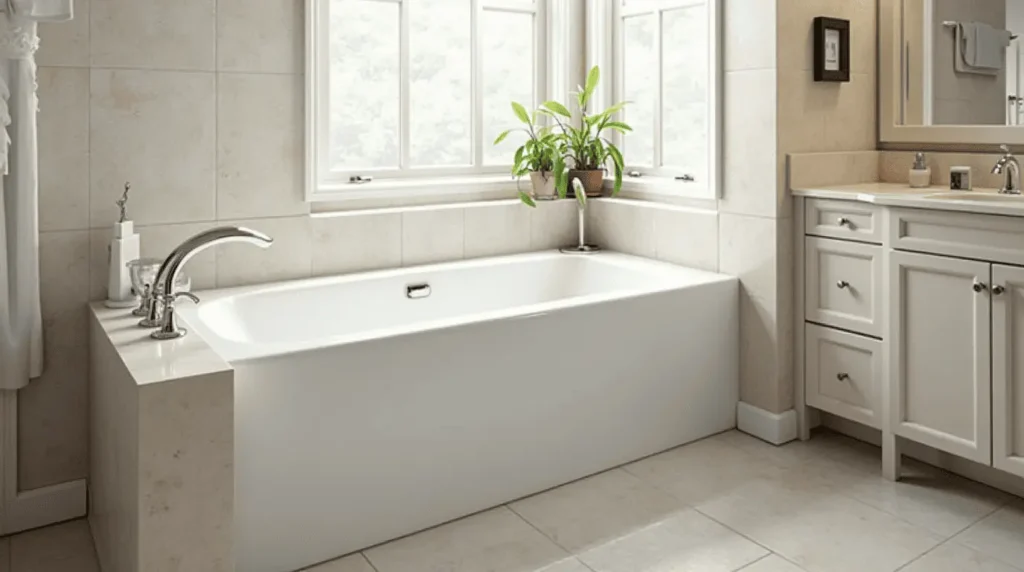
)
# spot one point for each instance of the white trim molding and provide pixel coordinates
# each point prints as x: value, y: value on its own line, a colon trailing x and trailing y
x: 775, y: 428
x: 30, y: 509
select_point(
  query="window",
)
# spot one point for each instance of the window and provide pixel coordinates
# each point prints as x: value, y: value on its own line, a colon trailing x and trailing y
x: 407, y: 95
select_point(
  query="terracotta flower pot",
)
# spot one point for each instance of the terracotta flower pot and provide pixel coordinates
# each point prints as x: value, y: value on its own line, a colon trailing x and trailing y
x: 592, y: 180
x: 543, y: 185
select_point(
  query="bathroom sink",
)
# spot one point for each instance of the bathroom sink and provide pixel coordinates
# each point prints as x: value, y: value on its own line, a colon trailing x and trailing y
x: 977, y: 197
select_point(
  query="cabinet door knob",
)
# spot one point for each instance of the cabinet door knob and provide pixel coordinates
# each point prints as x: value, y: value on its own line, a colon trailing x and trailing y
x: 843, y: 376
x: 979, y: 286
x: 843, y: 221
x: 997, y: 290
x: 842, y: 284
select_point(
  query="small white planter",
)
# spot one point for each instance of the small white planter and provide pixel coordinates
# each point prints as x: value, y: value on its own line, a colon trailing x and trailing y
x: 543, y: 185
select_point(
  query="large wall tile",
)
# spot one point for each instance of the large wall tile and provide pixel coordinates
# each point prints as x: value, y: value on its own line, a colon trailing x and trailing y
x: 687, y: 237
x: 52, y: 416
x: 153, y: 34
x: 355, y: 242
x: 158, y: 242
x: 432, y: 235
x: 63, y: 148
x: 289, y: 258
x: 157, y: 130
x: 497, y: 229
x: 553, y: 224
x: 264, y: 39
x: 749, y: 251
x: 850, y: 121
x: 623, y: 226
x: 259, y: 146
x: 66, y: 43
x: 750, y: 34
x: 749, y: 162
x: 796, y: 27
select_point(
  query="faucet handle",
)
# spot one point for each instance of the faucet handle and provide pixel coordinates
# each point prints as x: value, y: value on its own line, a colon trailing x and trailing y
x: 1006, y: 150
x: 189, y: 295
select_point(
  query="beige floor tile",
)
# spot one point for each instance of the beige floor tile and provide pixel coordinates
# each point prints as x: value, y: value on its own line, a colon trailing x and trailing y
x: 495, y: 541
x: 567, y: 565
x: 597, y: 510
x: 63, y: 547
x: 1000, y: 535
x: 797, y: 517
x: 702, y: 471
x: 689, y: 541
x: 773, y: 563
x: 788, y: 455
x: 351, y: 563
x: 953, y: 557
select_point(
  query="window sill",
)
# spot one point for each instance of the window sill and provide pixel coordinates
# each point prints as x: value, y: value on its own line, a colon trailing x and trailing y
x: 391, y: 193
x: 666, y: 190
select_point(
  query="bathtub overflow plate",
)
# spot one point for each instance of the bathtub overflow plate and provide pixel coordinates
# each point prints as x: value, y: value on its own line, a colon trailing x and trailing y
x: 417, y: 291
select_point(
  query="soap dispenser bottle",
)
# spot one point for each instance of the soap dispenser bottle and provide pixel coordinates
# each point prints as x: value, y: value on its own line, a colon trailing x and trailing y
x: 124, y: 248
x: 920, y: 174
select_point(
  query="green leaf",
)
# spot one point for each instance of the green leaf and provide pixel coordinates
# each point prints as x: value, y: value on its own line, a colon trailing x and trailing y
x: 560, y: 176
x: 593, y: 77
x: 579, y: 191
x: 520, y: 112
x: 502, y: 136
x: 619, y: 166
x: 556, y: 107
x: 527, y: 199
x: 618, y: 126
x: 518, y: 159
x: 614, y: 109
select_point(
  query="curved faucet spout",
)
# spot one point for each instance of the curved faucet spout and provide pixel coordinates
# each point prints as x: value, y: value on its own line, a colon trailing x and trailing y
x: 179, y: 256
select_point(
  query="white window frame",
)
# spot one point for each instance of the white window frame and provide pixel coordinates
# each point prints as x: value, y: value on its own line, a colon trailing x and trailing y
x: 325, y: 184
x: 570, y: 37
x: 604, y: 22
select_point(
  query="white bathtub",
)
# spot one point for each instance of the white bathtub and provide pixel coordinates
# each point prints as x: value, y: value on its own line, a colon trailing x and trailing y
x: 362, y: 414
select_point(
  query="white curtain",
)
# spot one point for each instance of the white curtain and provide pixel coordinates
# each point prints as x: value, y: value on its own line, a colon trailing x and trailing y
x: 21, y: 332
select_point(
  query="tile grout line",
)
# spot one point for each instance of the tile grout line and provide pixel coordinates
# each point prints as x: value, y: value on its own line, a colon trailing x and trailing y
x: 362, y: 554
x: 551, y: 540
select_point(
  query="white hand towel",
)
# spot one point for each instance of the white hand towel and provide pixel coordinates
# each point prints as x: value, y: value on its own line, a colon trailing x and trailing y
x: 44, y: 10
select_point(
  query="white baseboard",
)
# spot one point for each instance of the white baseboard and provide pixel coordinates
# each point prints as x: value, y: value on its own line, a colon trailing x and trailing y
x: 48, y: 505
x: 775, y: 428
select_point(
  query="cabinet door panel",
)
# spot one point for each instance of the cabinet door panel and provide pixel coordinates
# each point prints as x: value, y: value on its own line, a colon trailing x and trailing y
x: 940, y: 339
x: 1008, y: 369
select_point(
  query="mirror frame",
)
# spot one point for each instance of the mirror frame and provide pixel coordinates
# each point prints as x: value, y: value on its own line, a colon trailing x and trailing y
x: 890, y: 91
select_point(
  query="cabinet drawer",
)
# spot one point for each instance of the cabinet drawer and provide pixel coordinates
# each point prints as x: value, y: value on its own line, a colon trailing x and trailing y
x: 844, y: 285
x: 843, y: 374
x: 843, y: 219
x: 964, y: 235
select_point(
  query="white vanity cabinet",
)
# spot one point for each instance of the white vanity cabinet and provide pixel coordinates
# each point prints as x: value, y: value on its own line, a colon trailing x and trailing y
x: 929, y: 343
x: 1008, y: 369
x: 940, y: 342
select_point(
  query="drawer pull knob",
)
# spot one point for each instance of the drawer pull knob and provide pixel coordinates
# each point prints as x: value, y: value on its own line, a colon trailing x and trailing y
x: 979, y: 286
x: 843, y: 221
x: 843, y: 376
x: 997, y: 290
x: 842, y: 284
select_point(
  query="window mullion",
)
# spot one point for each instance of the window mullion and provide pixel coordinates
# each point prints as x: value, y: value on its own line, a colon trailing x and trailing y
x: 404, y: 85
x: 476, y: 81
x: 659, y: 54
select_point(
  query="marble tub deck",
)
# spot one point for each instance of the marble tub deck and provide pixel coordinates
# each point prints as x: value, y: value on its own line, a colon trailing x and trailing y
x: 726, y: 503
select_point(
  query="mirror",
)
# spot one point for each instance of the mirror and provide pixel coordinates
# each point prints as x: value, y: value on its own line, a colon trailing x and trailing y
x: 962, y: 62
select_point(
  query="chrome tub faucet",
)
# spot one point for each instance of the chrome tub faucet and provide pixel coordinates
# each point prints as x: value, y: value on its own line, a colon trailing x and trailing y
x: 1009, y: 164
x: 162, y: 312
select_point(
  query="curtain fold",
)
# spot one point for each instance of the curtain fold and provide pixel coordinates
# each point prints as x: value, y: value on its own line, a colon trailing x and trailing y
x: 21, y: 335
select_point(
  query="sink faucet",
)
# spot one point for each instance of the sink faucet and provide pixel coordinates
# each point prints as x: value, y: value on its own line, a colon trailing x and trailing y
x: 162, y: 312
x: 1010, y: 164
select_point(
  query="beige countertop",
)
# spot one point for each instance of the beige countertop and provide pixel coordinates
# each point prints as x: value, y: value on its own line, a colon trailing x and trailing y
x: 150, y: 361
x: 983, y: 201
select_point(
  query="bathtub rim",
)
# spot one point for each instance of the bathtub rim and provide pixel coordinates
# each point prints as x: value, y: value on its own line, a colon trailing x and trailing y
x: 236, y: 352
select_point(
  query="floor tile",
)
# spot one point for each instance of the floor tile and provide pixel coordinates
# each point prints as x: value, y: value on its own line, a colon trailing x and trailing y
x: 1000, y: 535
x: 492, y: 541
x: 953, y: 557
x: 567, y: 565
x: 63, y: 547
x: 688, y: 541
x: 819, y: 530
x: 351, y: 563
x: 596, y: 510
x: 701, y: 471
x: 772, y: 563
x: 5, y: 555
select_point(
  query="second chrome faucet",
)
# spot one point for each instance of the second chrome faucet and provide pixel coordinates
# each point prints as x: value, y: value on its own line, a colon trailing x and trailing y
x: 1009, y: 165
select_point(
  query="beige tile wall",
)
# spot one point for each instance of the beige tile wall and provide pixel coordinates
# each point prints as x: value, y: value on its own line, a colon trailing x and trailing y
x: 199, y: 104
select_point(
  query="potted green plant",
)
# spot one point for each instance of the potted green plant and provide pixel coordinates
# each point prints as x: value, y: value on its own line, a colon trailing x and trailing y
x: 585, y: 144
x: 541, y: 157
